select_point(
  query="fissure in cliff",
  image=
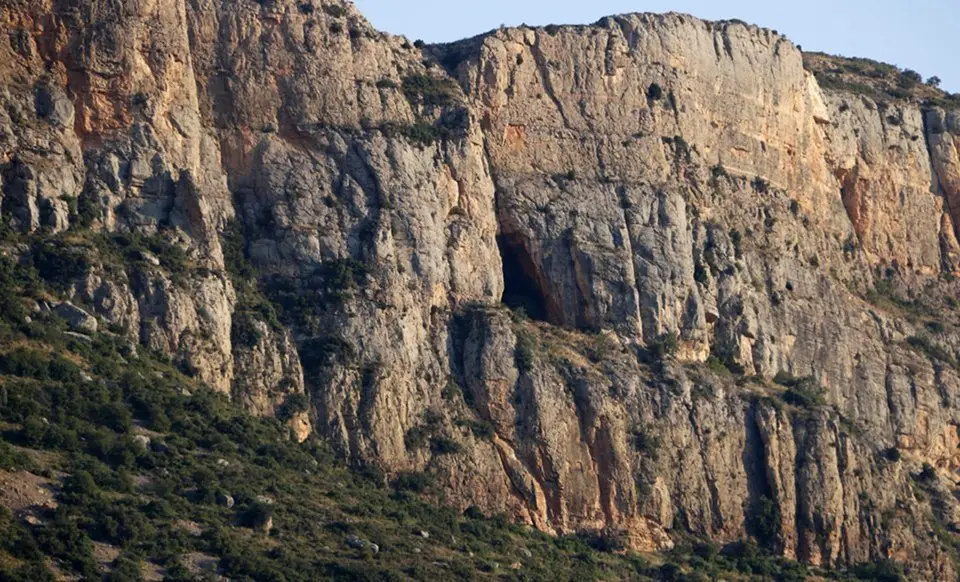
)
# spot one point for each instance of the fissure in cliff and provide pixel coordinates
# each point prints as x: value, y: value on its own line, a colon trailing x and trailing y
x: 521, y: 290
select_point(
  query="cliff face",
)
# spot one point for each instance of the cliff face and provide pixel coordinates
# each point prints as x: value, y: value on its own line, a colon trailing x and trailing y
x: 326, y: 220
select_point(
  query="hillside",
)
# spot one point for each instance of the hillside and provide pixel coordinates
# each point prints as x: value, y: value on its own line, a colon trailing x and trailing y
x: 652, y: 297
x: 114, y: 463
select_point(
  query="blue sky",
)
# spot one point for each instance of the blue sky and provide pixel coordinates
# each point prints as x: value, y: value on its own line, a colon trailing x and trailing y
x: 923, y: 35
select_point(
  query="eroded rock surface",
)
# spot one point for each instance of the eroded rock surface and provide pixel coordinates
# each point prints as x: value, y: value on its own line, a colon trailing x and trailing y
x: 321, y: 221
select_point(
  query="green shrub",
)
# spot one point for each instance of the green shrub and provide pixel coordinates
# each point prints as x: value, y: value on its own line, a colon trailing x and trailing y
x: 429, y: 91
x: 16, y: 540
x: 416, y: 438
x: 125, y: 569
x: 243, y: 330
x: 422, y: 132
x: 654, y: 92
x: 935, y: 326
x: 606, y: 540
x: 124, y: 249
x: 12, y: 459
x: 885, y: 570
x: 804, y: 398
x: 670, y: 572
x: 293, y: 404
x: 88, y: 209
x: 16, y: 280
x: 303, y: 303
x: 524, y: 352
x: 706, y: 550
x: 120, y: 523
x: 59, y: 264
x: 412, y: 481
x: 33, y: 430
x: 891, y: 454
x: 234, y: 254
x: 257, y: 515
x: 760, y: 186
x: 909, y: 79
x: 116, y: 416
x: 341, y: 275
x: 931, y: 349
x: 177, y: 572
x: 764, y: 521
x: 317, y: 354
x: 63, y: 539
x: 785, y: 379
x: 927, y: 473
x: 441, y: 445
x: 32, y: 363
x: 803, y: 392
x: 665, y: 345
x: 473, y: 512
x: 335, y: 10
x: 482, y: 429
x: 717, y: 366
x: 646, y: 442
x: 33, y: 571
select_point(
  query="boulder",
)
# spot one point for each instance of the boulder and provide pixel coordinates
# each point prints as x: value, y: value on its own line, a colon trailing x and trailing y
x: 53, y: 105
x: 79, y: 320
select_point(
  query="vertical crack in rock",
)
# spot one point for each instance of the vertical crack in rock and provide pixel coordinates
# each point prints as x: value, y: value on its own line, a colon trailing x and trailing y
x: 716, y: 512
x: 760, y: 503
x: 945, y: 168
x: 852, y: 199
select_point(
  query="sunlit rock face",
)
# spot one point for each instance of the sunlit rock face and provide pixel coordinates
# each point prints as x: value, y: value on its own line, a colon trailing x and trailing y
x: 329, y: 225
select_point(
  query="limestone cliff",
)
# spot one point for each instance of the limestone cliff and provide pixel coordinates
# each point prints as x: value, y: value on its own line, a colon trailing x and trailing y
x: 732, y: 282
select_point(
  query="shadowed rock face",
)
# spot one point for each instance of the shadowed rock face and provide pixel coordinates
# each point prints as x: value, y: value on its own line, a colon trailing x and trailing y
x: 647, y: 184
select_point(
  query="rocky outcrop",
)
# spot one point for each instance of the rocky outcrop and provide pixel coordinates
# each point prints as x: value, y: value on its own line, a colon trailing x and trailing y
x: 878, y: 153
x: 268, y: 377
x: 589, y: 438
x: 77, y: 319
x: 321, y: 221
x: 102, y: 129
x: 942, y: 131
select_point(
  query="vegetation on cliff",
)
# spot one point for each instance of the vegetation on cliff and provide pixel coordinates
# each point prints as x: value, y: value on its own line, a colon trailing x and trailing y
x: 147, y: 474
x: 878, y: 81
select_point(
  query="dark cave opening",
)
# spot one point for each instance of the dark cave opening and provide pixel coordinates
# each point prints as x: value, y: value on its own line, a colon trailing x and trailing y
x: 520, y: 287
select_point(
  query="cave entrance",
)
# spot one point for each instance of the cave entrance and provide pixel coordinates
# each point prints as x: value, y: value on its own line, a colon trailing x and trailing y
x: 520, y: 287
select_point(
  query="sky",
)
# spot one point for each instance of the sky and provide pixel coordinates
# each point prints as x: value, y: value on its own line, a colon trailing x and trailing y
x: 923, y: 35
